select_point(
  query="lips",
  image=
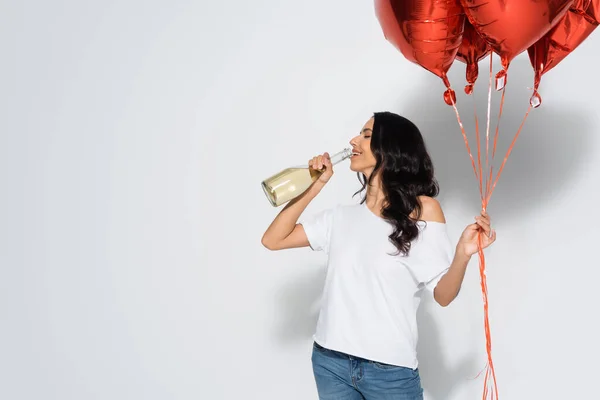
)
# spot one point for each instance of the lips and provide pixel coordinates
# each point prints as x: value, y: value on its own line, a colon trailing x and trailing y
x: 356, y: 153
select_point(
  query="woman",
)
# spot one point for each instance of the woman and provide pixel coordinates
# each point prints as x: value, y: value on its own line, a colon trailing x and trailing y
x: 382, y: 254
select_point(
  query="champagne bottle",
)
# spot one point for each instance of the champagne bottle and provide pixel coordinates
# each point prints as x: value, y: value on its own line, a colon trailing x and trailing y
x: 292, y: 182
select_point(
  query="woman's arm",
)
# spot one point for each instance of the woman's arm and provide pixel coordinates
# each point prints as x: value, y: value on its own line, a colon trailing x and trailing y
x: 449, y: 285
x: 284, y: 232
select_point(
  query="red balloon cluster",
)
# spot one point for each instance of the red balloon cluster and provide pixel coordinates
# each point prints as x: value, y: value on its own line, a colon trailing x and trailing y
x: 433, y: 33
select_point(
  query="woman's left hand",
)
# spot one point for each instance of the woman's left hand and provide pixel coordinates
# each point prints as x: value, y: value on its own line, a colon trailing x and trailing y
x: 468, y: 243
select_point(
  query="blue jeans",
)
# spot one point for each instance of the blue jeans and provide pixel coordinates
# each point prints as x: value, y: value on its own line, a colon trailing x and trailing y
x: 340, y: 376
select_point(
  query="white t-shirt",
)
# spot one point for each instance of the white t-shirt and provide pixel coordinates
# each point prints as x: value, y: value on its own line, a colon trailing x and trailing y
x: 371, y: 295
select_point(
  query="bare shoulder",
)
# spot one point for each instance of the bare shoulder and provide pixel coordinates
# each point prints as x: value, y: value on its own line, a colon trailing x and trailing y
x: 431, y: 210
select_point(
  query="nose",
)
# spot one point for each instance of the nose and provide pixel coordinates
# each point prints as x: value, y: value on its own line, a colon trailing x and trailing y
x: 353, y: 142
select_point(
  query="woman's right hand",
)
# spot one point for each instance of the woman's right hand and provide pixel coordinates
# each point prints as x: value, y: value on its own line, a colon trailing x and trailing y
x: 285, y: 232
x: 322, y: 163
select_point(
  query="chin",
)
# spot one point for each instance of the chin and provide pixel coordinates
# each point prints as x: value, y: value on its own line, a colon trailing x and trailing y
x: 356, y: 167
x: 362, y: 165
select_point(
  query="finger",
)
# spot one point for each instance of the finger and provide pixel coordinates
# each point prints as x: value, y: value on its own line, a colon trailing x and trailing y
x: 485, y: 216
x: 320, y: 162
x: 483, y: 224
x: 488, y: 240
x: 486, y: 229
x: 472, y: 229
x: 481, y: 221
x: 491, y: 238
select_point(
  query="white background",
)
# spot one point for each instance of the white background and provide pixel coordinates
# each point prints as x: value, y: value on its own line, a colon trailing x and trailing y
x: 133, y: 139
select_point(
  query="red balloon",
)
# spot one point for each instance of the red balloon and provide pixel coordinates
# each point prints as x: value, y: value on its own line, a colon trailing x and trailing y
x: 472, y: 49
x: 427, y: 32
x: 581, y: 19
x: 511, y: 26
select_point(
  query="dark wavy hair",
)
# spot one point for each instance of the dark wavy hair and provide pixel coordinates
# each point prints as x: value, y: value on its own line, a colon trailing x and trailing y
x: 406, y: 172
